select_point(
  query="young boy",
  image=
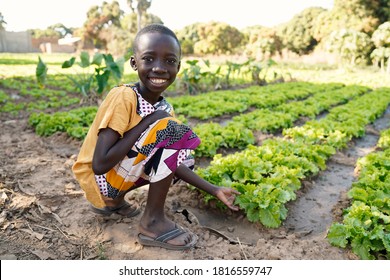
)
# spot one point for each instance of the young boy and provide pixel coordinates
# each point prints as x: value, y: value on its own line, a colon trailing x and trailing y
x: 135, y: 140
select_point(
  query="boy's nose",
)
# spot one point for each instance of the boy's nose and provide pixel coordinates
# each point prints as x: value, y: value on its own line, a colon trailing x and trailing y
x: 158, y: 67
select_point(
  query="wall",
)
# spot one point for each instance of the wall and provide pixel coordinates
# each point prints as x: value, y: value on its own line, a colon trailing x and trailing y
x: 15, y: 42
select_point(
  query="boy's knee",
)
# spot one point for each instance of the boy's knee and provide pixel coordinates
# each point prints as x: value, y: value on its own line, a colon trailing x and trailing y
x: 173, y: 126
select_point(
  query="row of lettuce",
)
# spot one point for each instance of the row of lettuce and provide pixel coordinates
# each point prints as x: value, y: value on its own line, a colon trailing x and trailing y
x: 239, y: 132
x: 34, y: 101
x: 268, y: 176
x: 366, y: 223
x: 23, y: 94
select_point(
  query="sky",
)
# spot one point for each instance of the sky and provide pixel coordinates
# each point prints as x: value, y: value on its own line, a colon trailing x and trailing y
x: 21, y: 15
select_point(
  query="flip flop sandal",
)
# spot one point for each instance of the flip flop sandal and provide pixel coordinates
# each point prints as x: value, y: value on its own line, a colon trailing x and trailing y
x: 107, y: 211
x: 161, y: 241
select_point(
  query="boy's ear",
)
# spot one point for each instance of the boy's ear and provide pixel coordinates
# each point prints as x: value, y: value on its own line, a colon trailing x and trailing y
x: 133, y: 63
x: 178, y: 66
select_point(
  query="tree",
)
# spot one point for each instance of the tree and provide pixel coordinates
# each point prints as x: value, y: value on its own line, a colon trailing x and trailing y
x: 45, y: 33
x: 384, y: 11
x: 100, y: 19
x: 61, y: 29
x: 187, y: 37
x: 139, y: 7
x: 2, y: 22
x: 352, y: 46
x: 360, y: 15
x: 130, y: 21
x: 378, y: 10
x: 263, y: 42
x: 121, y: 39
x: 381, y: 36
x: 217, y: 38
x: 381, y: 39
x: 52, y: 33
x: 298, y: 33
x: 380, y: 56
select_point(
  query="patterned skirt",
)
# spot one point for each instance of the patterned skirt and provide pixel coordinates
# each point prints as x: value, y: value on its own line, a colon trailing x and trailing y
x: 157, y: 153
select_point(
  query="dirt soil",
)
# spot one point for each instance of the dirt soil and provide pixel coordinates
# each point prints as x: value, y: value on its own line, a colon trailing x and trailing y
x: 44, y: 215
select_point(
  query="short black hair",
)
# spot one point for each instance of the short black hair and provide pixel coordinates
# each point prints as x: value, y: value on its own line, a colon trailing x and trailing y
x: 155, y: 28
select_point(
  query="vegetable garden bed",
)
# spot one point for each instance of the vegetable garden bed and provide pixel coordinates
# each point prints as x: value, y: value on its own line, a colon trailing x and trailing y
x: 311, y: 129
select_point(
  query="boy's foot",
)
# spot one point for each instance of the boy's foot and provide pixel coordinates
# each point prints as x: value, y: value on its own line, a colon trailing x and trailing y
x: 177, y: 238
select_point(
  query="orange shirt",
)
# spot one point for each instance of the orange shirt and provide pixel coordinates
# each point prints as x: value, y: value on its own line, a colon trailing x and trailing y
x: 118, y: 112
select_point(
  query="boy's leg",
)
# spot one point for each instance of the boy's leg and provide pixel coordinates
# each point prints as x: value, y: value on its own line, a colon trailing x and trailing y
x: 119, y: 206
x: 154, y: 222
x: 120, y: 199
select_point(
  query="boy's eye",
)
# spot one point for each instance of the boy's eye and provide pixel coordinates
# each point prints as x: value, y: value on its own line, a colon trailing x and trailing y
x: 171, y: 61
x: 147, y: 58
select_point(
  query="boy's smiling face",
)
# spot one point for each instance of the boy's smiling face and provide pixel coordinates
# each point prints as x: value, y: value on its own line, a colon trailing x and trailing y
x: 157, y: 60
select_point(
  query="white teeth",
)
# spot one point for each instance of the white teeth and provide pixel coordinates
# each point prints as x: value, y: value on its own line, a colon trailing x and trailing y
x: 158, y: 81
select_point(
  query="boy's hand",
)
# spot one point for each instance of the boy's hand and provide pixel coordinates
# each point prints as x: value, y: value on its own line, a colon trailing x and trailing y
x: 227, y: 196
x: 157, y: 115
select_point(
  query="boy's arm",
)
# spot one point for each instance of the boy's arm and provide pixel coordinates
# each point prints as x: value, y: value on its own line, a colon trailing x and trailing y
x: 226, y: 195
x: 110, y: 148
